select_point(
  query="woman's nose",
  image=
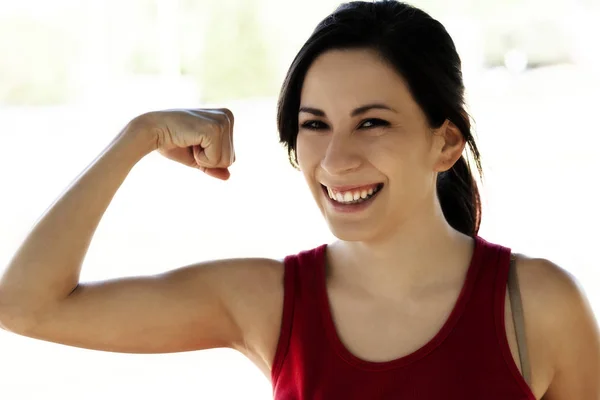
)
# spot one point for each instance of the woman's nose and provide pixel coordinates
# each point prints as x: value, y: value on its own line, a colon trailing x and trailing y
x: 341, y: 155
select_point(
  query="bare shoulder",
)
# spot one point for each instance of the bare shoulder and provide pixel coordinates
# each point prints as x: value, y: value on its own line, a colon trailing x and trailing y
x: 562, y: 332
x: 550, y: 291
x: 248, y: 275
x: 254, y: 290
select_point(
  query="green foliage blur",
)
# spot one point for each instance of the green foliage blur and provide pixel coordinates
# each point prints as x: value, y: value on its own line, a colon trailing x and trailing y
x: 229, y: 49
x: 237, y: 59
x: 34, y: 62
x: 221, y: 47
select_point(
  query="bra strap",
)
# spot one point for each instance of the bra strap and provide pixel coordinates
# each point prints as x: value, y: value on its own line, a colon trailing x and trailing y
x: 518, y: 319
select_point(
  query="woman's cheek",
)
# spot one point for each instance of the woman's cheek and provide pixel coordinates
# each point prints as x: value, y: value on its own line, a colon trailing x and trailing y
x: 310, y: 149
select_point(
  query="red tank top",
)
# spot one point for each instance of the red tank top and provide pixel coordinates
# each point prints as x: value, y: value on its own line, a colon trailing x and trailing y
x: 469, y: 358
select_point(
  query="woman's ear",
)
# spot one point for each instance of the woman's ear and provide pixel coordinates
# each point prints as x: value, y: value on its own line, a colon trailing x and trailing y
x: 451, y: 146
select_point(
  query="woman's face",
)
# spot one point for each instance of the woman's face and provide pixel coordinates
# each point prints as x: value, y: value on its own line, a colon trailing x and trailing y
x: 365, y: 147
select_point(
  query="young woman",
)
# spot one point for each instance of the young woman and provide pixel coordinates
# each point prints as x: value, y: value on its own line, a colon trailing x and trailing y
x: 409, y: 303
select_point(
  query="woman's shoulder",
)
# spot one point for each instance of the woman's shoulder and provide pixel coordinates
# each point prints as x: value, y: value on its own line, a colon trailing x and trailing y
x: 257, y: 291
x: 548, y: 287
x: 562, y: 332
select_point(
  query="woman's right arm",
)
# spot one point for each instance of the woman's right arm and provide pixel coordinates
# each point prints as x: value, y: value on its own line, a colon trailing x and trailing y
x: 200, y: 306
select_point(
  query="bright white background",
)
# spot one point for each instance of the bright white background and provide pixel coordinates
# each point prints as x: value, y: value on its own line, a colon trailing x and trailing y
x: 537, y: 131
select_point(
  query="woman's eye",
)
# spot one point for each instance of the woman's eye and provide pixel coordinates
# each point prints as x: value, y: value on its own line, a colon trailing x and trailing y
x: 314, y: 125
x: 317, y: 125
x: 373, y: 122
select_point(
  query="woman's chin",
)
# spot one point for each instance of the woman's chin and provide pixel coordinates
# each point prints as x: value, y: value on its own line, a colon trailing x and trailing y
x: 351, y: 232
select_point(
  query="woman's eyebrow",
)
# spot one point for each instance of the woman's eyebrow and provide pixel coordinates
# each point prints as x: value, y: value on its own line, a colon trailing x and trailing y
x: 313, y: 111
x: 357, y: 111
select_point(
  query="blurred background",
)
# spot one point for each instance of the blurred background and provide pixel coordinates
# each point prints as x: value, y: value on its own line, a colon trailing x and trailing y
x: 73, y: 73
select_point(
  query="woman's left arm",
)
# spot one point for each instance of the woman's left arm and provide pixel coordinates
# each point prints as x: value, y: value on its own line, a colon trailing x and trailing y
x: 574, y: 340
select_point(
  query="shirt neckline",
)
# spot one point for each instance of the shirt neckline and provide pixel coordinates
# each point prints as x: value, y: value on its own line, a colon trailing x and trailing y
x: 438, y: 338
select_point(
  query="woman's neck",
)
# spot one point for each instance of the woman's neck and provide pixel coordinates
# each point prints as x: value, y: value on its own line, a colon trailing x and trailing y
x: 424, y: 253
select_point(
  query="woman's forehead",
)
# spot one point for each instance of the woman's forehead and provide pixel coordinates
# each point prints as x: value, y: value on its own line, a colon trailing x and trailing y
x: 346, y: 79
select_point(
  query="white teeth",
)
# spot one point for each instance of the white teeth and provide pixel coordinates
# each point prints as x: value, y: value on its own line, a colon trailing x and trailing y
x: 351, y: 196
x: 330, y: 193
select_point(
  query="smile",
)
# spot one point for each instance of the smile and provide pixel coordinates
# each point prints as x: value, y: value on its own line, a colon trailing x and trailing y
x: 354, y: 195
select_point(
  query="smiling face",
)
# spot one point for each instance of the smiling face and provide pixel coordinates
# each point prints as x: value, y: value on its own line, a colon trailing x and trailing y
x: 364, y: 146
